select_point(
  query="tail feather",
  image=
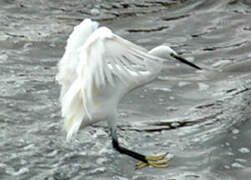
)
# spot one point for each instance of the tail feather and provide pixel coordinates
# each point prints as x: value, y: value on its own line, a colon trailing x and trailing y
x: 73, y: 109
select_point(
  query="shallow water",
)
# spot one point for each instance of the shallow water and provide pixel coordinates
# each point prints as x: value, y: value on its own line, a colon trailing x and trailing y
x: 201, y: 118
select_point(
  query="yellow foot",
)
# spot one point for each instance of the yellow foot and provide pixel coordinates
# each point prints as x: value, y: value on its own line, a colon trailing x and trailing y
x: 156, y: 158
x: 154, y: 161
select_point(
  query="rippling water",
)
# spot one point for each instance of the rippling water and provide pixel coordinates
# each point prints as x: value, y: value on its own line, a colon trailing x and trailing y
x: 201, y: 118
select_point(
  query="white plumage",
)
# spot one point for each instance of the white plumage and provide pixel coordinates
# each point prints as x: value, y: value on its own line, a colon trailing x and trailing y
x: 97, y: 69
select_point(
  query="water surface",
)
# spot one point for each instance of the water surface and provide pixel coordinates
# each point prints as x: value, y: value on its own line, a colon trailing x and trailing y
x: 201, y: 118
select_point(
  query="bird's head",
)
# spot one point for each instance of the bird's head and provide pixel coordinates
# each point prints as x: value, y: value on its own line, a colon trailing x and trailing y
x: 165, y: 52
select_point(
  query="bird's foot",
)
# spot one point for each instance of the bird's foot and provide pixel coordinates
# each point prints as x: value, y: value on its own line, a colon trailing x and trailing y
x: 154, y: 161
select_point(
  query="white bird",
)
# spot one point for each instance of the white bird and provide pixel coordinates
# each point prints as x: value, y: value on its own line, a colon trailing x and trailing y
x: 97, y: 69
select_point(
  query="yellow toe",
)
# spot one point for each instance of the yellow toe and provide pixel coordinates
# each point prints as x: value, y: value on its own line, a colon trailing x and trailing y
x: 156, y: 158
x: 154, y: 161
x: 141, y: 165
x: 159, y: 164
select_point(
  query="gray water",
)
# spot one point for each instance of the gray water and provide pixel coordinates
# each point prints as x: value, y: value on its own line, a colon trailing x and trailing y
x: 201, y: 118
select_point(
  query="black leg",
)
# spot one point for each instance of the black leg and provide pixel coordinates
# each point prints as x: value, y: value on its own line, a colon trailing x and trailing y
x: 123, y: 150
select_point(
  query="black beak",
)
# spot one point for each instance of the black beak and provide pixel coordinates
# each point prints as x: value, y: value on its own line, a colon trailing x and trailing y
x: 181, y: 59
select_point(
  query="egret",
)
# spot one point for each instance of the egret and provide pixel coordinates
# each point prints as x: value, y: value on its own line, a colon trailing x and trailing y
x: 97, y: 69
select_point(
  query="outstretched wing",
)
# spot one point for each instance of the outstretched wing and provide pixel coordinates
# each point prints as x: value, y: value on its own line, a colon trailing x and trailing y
x: 107, y: 58
x: 68, y: 63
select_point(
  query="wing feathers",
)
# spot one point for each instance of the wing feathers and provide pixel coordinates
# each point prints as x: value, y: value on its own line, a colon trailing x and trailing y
x: 69, y: 62
x: 110, y: 57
